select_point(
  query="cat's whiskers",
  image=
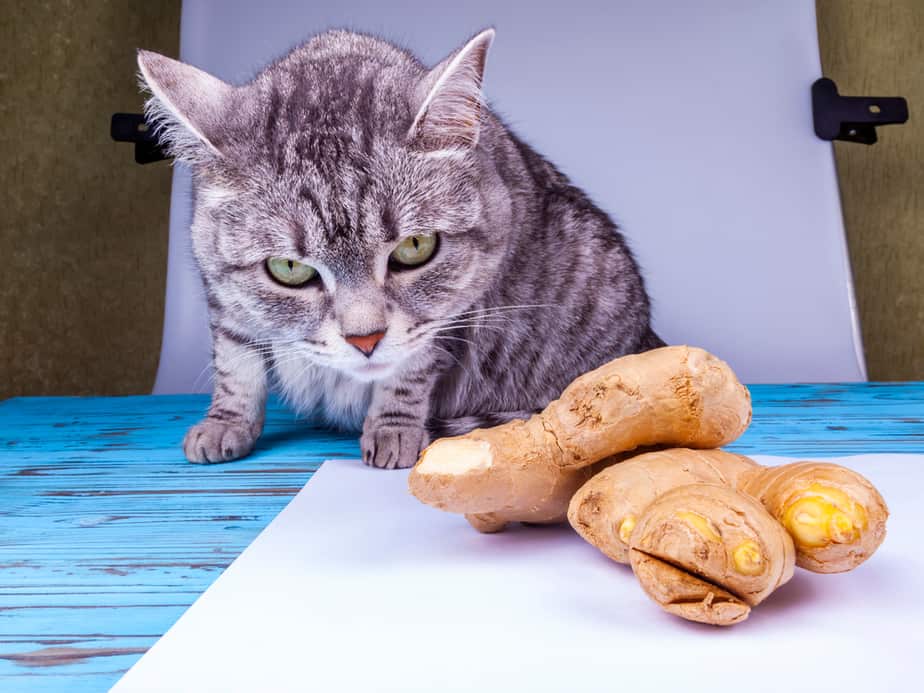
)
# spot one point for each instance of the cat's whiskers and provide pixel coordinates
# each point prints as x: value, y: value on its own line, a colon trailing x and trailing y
x: 310, y: 357
x: 209, y: 370
x: 469, y: 322
x: 456, y: 339
x: 485, y: 320
x: 289, y: 358
x: 414, y: 341
x: 455, y: 324
x: 478, y: 317
x: 284, y: 353
x: 502, y: 309
x: 453, y: 357
x: 262, y: 347
x: 308, y: 365
x: 452, y: 328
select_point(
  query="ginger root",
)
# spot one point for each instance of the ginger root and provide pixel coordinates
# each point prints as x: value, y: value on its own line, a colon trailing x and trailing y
x: 605, y: 510
x: 528, y: 470
x: 708, y: 553
x: 836, y: 517
x: 709, y: 534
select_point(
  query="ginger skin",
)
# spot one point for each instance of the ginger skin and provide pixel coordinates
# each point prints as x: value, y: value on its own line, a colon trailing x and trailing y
x: 709, y: 534
x: 708, y: 553
x: 620, y: 494
x: 528, y: 470
x: 836, y: 517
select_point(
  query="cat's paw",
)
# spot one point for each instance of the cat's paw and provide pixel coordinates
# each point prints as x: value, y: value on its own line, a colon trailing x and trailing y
x: 392, y: 447
x: 212, y: 441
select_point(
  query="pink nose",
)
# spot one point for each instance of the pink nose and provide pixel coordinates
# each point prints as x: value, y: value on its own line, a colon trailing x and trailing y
x: 366, y: 343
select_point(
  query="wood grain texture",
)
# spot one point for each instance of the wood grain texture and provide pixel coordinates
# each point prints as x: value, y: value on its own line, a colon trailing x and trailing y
x: 83, y: 229
x: 876, y: 48
x: 107, y: 534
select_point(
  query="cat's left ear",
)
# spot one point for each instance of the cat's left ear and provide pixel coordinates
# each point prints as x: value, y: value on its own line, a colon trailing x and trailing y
x: 451, y: 103
x: 188, y: 106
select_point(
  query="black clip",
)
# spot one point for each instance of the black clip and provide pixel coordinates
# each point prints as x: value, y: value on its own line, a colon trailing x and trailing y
x: 132, y: 127
x: 853, y: 118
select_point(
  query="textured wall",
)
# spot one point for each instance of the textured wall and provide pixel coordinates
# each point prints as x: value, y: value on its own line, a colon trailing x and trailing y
x: 83, y: 229
x: 876, y: 48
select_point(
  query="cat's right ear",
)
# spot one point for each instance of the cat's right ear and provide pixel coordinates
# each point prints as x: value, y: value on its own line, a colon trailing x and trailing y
x: 450, y: 102
x: 187, y: 106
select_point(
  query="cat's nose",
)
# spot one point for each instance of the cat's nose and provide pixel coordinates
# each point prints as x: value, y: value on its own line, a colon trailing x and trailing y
x: 366, y: 343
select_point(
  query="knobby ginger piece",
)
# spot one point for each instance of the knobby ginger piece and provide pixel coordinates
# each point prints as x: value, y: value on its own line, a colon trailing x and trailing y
x: 462, y: 477
x: 708, y: 553
x: 605, y: 510
x: 836, y: 517
x: 528, y: 470
x: 686, y: 595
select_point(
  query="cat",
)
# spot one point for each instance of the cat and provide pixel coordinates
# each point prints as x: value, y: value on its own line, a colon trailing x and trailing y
x: 378, y: 246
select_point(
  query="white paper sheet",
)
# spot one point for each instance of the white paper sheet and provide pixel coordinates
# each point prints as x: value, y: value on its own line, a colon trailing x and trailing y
x: 357, y: 586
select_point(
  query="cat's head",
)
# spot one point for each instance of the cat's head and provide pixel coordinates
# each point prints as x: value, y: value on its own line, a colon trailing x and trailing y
x: 345, y: 198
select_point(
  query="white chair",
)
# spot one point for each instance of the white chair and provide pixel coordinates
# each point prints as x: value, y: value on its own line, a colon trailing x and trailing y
x: 690, y: 123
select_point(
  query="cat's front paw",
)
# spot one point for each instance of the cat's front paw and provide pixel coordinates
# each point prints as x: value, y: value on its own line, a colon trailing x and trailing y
x: 392, y: 447
x: 212, y: 441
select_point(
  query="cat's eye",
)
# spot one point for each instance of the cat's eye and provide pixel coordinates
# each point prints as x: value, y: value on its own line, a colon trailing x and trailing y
x: 290, y: 272
x: 413, y: 251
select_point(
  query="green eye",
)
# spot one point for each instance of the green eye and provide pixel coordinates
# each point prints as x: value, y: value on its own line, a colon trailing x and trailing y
x: 290, y: 272
x: 414, y: 251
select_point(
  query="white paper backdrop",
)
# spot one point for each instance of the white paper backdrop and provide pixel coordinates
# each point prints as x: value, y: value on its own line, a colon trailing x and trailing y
x: 356, y: 586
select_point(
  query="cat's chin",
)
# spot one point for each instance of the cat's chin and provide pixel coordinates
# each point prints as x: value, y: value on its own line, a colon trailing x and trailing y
x: 370, y: 372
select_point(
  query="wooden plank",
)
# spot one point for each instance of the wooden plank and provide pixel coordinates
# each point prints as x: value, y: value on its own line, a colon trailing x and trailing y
x: 107, y: 534
x: 835, y: 420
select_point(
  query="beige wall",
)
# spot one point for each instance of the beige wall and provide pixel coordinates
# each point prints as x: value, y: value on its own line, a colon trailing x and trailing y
x: 83, y: 229
x: 876, y: 48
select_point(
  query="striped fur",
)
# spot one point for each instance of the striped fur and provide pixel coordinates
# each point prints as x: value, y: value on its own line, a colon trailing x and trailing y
x: 330, y: 156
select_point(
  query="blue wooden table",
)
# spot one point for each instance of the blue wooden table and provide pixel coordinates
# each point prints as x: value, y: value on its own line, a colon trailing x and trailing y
x: 107, y: 535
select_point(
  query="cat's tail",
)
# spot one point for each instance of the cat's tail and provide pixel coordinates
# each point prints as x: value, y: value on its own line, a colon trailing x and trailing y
x: 441, y: 428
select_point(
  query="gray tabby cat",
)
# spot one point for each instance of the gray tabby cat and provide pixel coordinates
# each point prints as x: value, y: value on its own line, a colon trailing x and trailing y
x: 376, y: 243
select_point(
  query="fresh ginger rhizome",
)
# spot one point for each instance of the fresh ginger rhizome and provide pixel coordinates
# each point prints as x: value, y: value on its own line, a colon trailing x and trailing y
x: 708, y: 534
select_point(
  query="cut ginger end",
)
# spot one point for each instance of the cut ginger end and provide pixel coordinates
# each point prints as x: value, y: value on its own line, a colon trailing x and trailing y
x: 455, y: 457
x: 818, y: 515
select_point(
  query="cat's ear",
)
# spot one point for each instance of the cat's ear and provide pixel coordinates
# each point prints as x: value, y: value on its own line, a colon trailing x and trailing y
x: 450, y: 100
x: 187, y: 106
